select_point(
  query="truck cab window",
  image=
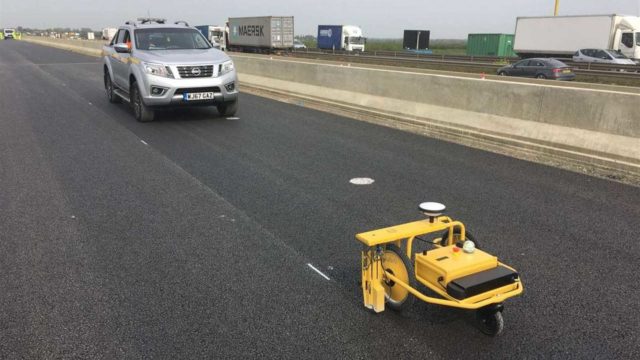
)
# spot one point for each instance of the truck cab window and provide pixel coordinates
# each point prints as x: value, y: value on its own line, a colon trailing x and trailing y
x: 638, y: 38
x: 627, y: 39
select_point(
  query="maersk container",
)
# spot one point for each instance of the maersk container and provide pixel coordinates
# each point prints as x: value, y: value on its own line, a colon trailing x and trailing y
x: 416, y: 39
x: 330, y: 37
x: 500, y: 45
x: 261, y: 33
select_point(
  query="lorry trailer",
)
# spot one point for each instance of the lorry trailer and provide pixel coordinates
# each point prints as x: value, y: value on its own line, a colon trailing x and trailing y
x: 109, y: 33
x: 562, y: 36
x: 341, y: 37
x: 416, y: 40
x: 217, y: 35
x: 260, y: 34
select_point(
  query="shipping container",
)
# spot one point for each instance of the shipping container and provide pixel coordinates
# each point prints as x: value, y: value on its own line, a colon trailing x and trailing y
x: 416, y: 39
x: 261, y: 33
x: 490, y: 45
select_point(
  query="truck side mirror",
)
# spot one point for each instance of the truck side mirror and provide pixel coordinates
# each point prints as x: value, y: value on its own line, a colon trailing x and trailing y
x: 121, y: 48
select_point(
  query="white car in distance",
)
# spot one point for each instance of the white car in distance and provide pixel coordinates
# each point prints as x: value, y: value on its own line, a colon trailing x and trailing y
x: 602, y: 56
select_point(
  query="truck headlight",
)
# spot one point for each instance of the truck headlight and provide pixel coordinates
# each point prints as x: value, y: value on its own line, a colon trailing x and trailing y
x: 226, y: 67
x: 158, y: 70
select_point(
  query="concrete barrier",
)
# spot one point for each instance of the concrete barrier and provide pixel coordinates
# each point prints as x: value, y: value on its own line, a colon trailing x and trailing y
x: 592, y: 125
x: 597, y: 123
x: 87, y: 47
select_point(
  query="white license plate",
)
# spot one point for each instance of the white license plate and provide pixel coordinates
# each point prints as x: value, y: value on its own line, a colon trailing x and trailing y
x: 198, y: 96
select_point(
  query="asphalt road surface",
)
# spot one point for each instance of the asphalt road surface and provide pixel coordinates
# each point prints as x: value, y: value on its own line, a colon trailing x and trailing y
x: 190, y: 237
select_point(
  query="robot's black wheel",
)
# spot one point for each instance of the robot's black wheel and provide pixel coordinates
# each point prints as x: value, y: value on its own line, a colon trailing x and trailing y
x: 490, y: 322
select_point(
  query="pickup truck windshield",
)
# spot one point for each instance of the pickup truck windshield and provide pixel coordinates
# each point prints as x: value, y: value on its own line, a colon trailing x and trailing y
x: 9, y: 31
x: 170, y: 39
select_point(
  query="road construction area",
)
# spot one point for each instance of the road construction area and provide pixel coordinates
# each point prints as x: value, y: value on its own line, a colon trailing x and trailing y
x: 200, y: 236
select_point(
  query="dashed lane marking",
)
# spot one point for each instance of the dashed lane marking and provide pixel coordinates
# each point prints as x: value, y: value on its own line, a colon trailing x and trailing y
x: 362, y: 181
x: 318, y: 271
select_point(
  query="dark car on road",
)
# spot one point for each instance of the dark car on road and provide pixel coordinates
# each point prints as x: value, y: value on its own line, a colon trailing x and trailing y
x: 539, y: 68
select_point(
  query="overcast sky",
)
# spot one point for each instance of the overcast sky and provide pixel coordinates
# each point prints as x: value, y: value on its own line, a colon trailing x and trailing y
x: 378, y: 18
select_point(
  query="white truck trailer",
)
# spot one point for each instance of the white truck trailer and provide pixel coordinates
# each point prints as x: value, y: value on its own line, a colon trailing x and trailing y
x: 217, y: 35
x: 562, y: 36
x: 109, y: 33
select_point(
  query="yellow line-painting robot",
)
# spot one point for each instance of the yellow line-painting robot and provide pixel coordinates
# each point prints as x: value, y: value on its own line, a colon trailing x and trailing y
x: 455, y: 269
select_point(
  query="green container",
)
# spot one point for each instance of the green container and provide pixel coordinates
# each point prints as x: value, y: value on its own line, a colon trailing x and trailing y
x: 500, y: 45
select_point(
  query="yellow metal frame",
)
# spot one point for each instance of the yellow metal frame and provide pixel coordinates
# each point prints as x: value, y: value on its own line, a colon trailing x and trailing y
x: 396, y: 234
x: 373, y: 272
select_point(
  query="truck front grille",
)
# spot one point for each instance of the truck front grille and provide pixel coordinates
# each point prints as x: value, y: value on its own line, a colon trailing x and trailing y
x: 196, y: 71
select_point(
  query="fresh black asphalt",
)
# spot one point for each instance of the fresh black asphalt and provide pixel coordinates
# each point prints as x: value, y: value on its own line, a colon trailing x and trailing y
x: 195, y: 242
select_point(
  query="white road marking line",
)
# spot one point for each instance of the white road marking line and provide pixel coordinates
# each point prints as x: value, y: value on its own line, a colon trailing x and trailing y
x: 318, y: 271
x: 362, y: 181
x: 233, y: 118
x: 90, y: 103
x: 144, y: 142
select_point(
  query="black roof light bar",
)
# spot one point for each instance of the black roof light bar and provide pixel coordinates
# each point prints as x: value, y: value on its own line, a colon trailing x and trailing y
x: 150, y: 20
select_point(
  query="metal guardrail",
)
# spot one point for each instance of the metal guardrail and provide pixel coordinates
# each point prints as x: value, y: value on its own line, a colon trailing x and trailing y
x: 403, y: 58
x: 474, y: 61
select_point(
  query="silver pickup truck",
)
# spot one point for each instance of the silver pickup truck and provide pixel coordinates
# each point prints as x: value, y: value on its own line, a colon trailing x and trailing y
x: 154, y: 65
